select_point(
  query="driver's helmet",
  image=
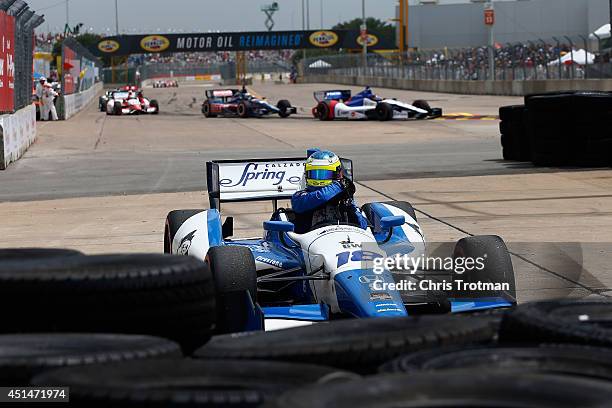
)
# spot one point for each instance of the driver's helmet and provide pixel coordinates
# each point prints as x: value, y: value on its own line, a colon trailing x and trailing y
x: 322, y: 168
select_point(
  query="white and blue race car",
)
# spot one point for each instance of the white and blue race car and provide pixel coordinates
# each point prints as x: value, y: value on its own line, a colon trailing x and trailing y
x: 341, y: 104
x: 289, y: 277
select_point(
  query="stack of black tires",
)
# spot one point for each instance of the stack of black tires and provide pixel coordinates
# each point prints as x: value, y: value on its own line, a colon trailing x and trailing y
x: 571, y: 128
x: 135, y: 331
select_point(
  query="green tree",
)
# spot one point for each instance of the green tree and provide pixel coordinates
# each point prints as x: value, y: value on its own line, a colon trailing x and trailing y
x: 385, y: 30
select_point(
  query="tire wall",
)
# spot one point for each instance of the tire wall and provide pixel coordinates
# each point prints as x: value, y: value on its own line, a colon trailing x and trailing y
x: 74, y: 103
x: 514, y: 88
x: 17, y: 133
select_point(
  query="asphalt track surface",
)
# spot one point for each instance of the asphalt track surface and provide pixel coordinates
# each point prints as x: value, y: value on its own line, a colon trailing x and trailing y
x: 105, y: 184
x: 96, y: 155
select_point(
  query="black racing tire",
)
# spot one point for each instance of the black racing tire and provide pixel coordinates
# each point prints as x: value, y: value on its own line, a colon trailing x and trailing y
x: 422, y: 104
x: 174, y: 220
x: 561, y: 321
x: 454, y: 388
x: 31, y: 254
x: 206, y: 110
x: 154, y: 104
x: 323, y: 110
x: 158, y: 295
x: 356, y: 344
x: 497, y: 267
x: 384, y: 111
x: 435, y: 113
x: 285, y: 108
x: 117, y: 108
x: 22, y: 356
x: 182, y: 383
x: 234, y: 275
x: 595, y: 362
x: 243, y: 109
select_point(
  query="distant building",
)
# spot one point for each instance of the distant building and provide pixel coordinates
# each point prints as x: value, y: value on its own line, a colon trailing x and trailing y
x: 460, y: 23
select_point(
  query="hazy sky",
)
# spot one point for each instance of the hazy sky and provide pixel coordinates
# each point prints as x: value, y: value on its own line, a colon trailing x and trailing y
x: 201, y: 15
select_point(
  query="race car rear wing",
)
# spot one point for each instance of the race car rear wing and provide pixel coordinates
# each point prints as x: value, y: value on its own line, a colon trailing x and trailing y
x: 257, y: 179
x: 335, y: 95
x: 220, y: 93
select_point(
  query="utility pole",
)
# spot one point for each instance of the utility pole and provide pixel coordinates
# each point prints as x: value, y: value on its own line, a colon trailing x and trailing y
x: 116, y: 18
x: 489, y: 16
x: 322, y: 13
x: 67, y: 29
x: 308, y: 14
x: 364, y: 35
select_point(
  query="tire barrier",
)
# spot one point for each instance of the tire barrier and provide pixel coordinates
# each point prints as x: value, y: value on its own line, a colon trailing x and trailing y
x: 569, y: 128
x: 115, y: 328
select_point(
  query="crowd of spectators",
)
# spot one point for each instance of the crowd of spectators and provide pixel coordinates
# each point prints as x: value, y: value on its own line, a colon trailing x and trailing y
x: 211, y: 58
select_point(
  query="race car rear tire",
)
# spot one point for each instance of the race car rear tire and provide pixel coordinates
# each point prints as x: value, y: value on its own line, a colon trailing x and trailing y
x: 186, y: 383
x: 154, y: 104
x: 151, y: 294
x: 551, y: 358
x: 22, y: 356
x: 284, y: 106
x: 361, y: 345
x: 324, y: 111
x: 174, y: 220
x: 559, y: 321
x: 117, y: 108
x: 243, y: 109
x: 206, y: 110
x: 384, y: 111
x: 497, y: 268
x: 235, y: 278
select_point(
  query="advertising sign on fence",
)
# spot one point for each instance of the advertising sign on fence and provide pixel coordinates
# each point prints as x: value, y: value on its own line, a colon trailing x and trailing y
x: 7, y: 62
x: 240, y: 41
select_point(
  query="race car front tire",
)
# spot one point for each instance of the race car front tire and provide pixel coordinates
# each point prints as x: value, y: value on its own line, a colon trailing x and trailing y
x: 496, y: 268
x: 174, y: 220
x: 284, y: 106
x: 235, y: 278
x: 154, y: 104
x: 117, y: 107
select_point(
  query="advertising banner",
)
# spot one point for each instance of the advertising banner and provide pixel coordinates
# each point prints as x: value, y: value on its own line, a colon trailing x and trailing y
x: 239, y: 41
x: 70, y: 70
x: 7, y: 62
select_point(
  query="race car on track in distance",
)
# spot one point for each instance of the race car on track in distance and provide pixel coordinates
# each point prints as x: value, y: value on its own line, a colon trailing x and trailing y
x: 238, y: 102
x: 130, y: 102
x: 341, y: 104
x: 165, y: 84
x: 320, y: 273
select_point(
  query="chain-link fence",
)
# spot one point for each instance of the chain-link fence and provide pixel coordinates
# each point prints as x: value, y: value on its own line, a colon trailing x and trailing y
x: 16, y: 54
x: 559, y: 58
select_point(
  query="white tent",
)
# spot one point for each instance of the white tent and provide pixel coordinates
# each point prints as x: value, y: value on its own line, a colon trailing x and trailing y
x: 320, y: 64
x: 602, y: 32
x: 580, y: 57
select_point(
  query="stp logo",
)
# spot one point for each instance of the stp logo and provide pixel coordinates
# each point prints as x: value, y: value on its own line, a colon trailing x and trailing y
x: 155, y: 43
x: 108, y: 46
x: 324, y: 39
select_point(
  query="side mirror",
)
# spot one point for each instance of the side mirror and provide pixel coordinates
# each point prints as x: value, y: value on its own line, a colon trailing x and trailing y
x: 392, y: 221
x: 278, y: 226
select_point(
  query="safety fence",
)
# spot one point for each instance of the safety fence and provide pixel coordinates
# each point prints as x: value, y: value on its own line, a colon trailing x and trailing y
x: 80, y: 78
x: 17, y: 114
x: 534, y: 60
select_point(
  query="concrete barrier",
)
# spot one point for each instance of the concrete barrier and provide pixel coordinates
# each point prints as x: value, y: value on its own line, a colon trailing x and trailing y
x: 512, y: 88
x: 74, y: 103
x: 17, y: 133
